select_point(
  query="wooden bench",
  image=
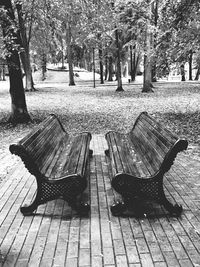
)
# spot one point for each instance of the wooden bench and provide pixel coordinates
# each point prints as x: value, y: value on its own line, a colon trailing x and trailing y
x: 57, y: 161
x: 139, y: 160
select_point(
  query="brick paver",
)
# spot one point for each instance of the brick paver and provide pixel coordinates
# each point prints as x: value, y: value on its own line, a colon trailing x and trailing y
x: 57, y: 236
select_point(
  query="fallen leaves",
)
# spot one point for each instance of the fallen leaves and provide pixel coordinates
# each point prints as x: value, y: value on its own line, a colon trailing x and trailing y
x: 100, y: 109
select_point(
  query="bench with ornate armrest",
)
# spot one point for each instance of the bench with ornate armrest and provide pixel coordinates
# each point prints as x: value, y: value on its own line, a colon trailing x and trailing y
x: 57, y: 161
x: 139, y: 161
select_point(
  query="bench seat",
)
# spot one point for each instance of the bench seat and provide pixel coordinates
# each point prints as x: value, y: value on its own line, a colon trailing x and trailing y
x: 139, y: 160
x: 58, y: 162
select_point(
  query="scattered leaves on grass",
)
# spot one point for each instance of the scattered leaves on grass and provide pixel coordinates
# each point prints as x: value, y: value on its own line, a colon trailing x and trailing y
x: 98, y: 110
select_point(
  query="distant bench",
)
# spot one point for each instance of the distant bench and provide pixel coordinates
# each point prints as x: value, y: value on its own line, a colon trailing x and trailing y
x: 58, y: 162
x: 139, y: 160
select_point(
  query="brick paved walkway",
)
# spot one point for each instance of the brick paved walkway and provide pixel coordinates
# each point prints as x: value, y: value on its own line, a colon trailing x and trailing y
x: 57, y: 236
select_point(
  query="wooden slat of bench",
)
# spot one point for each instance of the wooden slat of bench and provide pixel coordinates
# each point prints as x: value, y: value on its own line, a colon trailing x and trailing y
x: 157, y: 135
x: 56, y: 169
x: 128, y: 157
x: 122, y: 154
x: 145, y: 156
x: 160, y: 128
x: 121, y: 147
x: 157, y: 144
x: 46, y: 147
x: 36, y: 146
x: 164, y: 139
x: 84, y: 153
x: 163, y: 145
x: 49, y: 149
x: 152, y: 148
x: 114, y: 153
x: 36, y: 131
x: 118, y: 143
x: 51, y: 159
x: 49, y: 135
x: 36, y: 143
x: 145, y: 167
x: 74, y: 155
x: 143, y: 171
x: 72, y: 159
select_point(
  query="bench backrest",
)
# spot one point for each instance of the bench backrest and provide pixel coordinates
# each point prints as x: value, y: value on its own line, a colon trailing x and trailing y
x: 40, y: 144
x: 156, y: 145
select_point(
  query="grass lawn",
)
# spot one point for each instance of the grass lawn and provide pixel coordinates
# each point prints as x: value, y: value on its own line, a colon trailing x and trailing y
x: 84, y: 108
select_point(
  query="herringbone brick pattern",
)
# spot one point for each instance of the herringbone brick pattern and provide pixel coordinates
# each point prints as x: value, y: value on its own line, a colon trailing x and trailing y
x: 57, y: 236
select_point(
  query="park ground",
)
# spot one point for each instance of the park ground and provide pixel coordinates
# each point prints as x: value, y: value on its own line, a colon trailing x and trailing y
x: 98, y: 110
x: 85, y: 108
x: 56, y: 235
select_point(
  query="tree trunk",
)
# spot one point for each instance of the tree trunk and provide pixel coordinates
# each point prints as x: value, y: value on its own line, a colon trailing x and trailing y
x: 4, y: 72
x: 100, y: 59
x: 182, y: 72
x: 19, y: 111
x: 44, y: 66
x: 154, y: 12
x: 190, y: 65
x: 106, y: 68
x: 147, y: 85
x: 62, y: 59
x: 134, y: 62
x: 119, y: 74
x: 69, y: 55
x: 28, y: 72
x: 153, y: 73
x: 101, y: 66
x: 70, y: 63
x: 25, y: 56
x: 110, y: 69
x: 131, y: 64
x: 197, y: 74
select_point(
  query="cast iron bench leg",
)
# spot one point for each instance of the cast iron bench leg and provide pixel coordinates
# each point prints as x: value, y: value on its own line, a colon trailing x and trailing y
x: 82, y: 208
x: 28, y: 210
x: 173, y: 209
x: 118, y: 208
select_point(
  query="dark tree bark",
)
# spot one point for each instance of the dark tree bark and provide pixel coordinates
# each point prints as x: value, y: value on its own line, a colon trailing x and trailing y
x: 106, y: 67
x: 44, y: 66
x: 190, y: 65
x: 110, y: 69
x: 25, y: 56
x: 69, y: 55
x: 100, y: 59
x: 197, y: 74
x: 182, y: 72
x: 119, y: 74
x: 147, y: 85
x: 154, y: 11
x: 101, y: 66
x: 4, y: 72
x: 70, y: 63
x: 133, y: 63
x: 19, y: 111
x: 153, y: 73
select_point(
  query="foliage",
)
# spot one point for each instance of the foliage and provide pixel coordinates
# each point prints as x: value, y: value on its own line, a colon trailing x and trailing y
x: 178, y: 32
